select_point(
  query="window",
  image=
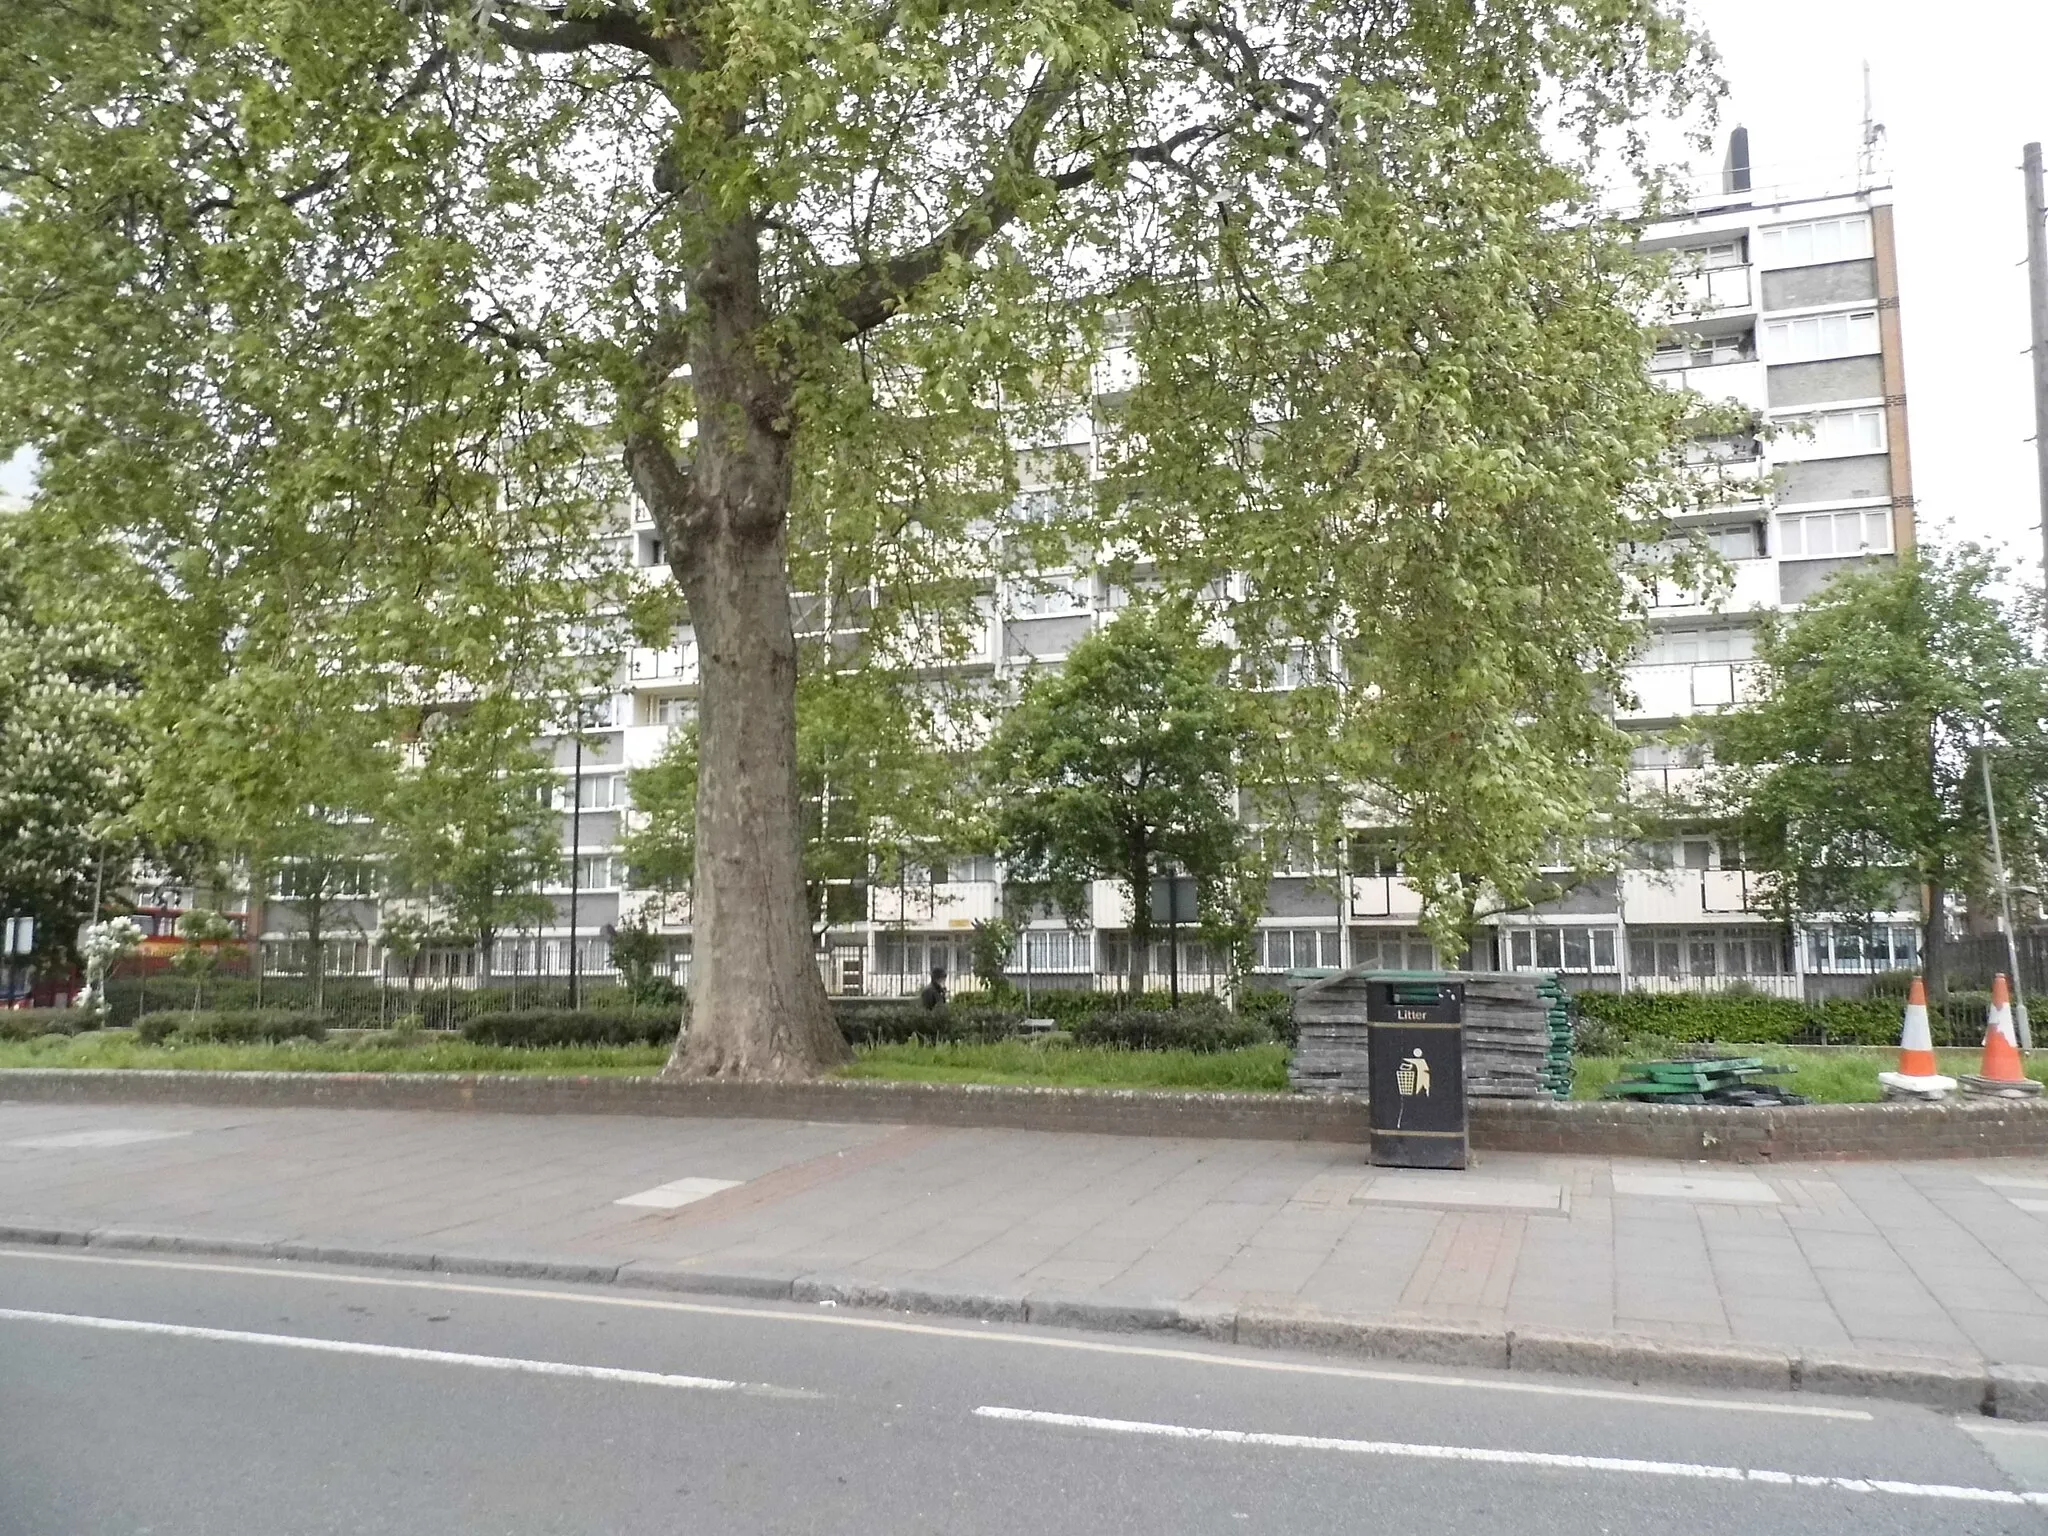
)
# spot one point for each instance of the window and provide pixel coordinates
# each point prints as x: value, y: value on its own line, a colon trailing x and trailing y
x: 597, y: 792
x: 1731, y: 541
x: 670, y: 710
x: 1722, y: 448
x: 1813, y: 535
x: 1374, y: 855
x: 1682, y: 952
x: 1298, y: 949
x: 961, y: 868
x: 1562, y: 948
x: 1816, y: 241
x: 917, y: 955
x: 1053, y: 950
x: 1686, y: 647
x: 1701, y: 352
x: 596, y: 872
x: 1710, y: 258
x: 1822, y: 434
x: 1050, y: 596
x: 1806, y: 337
x: 1392, y: 949
x: 1854, y: 949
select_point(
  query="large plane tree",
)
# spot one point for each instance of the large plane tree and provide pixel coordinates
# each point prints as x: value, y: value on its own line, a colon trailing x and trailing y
x: 352, y: 306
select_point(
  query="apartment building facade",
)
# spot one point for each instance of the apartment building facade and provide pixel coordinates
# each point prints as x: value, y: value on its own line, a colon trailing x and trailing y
x: 1794, y: 317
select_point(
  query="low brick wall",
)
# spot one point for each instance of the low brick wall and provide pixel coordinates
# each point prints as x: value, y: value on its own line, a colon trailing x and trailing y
x: 1805, y: 1133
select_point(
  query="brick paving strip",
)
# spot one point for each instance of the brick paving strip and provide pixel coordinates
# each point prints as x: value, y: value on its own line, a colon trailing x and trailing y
x: 1922, y: 1280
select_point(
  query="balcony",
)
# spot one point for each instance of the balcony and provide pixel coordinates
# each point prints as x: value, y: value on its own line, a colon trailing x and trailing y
x: 1744, y: 382
x: 1669, y: 692
x: 1383, y: 896
x: 1674, y: 782
x: 1752, y: 584
x: 947, y: 904
x: 1681, y: 896
x: 1716, y: 291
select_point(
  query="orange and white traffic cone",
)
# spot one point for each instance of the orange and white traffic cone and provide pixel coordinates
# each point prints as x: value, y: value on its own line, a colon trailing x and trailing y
x: 1918, y: 1076
x: 2002, y: 1075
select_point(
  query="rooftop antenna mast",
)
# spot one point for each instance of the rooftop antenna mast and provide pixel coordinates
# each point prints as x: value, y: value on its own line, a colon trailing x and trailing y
x: 1873, y: 134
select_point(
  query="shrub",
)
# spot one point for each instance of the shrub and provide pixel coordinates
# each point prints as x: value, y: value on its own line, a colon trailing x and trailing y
x: 1200, y: 1024
x: 32, y: 1023
x: 225, y: 1026
x: 1612, y: 1022
x: 894, y: 1024
x: 587, y: 1026
x: 1272, y: 1007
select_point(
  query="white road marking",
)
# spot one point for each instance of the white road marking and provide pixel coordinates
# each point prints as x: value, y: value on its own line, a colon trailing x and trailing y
x: 1746, y: 1188
x: 2009, y: 1181
x: 2036, y: 1206
x: 679, y: 1192
x: 1457, y: 1189
x: 107, y: 1138
x: 1546, y: 1459
x: 379, y: 1351
x: 979, y: 1334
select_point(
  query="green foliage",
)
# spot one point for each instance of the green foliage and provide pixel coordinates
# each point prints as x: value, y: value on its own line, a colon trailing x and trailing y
x: 1123, y: 766
x: 351, y: 318
x: 31, y: 1023
x: 472, y: 829
x: 995, y: 940
x: 1613, y: 1020
x: 1854, y: 776
x: 639, y: 952
x: 70, y: 755
x: 1254, y: 1069
x: 231, y: 1027
x: 560, y: 1026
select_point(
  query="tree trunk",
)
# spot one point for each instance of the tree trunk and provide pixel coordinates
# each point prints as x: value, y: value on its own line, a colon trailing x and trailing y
x: 1933, y: 966
x: 1140, y: 877
x: 757, y: 1004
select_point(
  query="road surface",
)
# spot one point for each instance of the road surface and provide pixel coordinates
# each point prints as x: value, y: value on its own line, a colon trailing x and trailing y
x: 178, y: 1395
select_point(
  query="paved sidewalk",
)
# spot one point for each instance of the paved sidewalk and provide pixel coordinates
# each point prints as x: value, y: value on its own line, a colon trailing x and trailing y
x: 1942, y: 1261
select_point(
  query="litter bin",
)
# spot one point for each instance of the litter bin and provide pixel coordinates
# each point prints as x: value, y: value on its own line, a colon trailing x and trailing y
x: 1415, y: 1072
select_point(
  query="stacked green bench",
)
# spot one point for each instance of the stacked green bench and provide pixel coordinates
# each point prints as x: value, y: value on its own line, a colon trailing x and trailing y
x: 1726, y: 1080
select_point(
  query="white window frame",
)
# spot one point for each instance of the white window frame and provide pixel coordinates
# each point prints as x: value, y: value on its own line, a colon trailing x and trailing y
x: 1832, y: 433
x: 1812, y: 338
x: 1816, y: 242
x: 1562, y: 947
x: 1794, y: 536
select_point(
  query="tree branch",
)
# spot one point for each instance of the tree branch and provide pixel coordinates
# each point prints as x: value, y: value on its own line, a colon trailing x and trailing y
x: 610, y: 27
x: 880, y: 289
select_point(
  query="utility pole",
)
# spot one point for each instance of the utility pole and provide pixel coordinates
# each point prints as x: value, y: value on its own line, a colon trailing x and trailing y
x: 2037, y: 290
x: 2012, y: 953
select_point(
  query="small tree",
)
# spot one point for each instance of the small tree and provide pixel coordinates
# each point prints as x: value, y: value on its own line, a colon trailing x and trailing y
x: 1123, y: 766
x: 473, y: 827
x: 640, y: 954
x: 1854, y: 776
x: 203, y: 932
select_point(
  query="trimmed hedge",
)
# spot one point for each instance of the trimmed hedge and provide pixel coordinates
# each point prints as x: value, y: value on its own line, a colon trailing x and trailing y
x: 33, y: 1023
x: 1612, y: 1021
x: 241, y: 1027
x: 587, y: 1026
x: 1188, y: 1028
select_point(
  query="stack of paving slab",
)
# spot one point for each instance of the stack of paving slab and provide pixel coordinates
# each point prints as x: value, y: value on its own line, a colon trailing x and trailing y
x: 1517, y: 1034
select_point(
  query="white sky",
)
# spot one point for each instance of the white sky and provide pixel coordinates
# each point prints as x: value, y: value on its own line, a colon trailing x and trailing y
x: 1960, y: 87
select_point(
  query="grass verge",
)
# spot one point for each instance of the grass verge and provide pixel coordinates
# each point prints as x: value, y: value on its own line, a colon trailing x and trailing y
x: 376, y: 1053
x: 1256, y: 1069
x: 1825, y: 1074
x: 1252, y: 1069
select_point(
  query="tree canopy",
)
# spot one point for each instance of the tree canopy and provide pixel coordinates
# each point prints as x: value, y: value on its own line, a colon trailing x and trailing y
x: 351, y: 316
x: 1123, y: 765
x: 1854, y: 774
